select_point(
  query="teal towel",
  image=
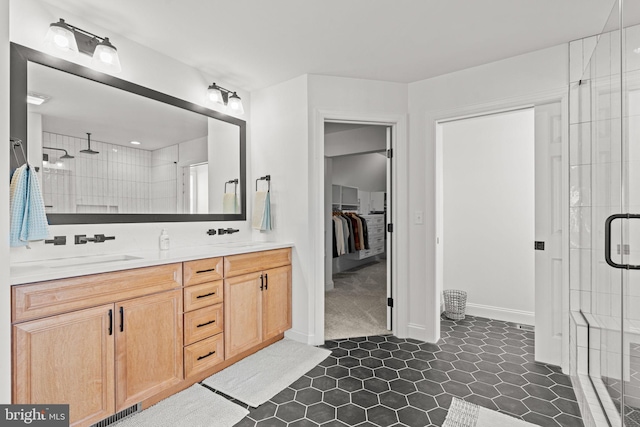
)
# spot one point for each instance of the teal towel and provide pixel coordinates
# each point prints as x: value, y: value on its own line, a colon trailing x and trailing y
x: 27, y: 213
x: 266, y: 218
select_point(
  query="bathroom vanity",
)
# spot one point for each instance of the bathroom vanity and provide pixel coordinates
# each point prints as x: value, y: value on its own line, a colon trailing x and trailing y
x: 135, y: 329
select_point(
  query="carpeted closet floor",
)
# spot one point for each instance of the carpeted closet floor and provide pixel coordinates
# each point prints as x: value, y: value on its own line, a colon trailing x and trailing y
x: 356, y: 306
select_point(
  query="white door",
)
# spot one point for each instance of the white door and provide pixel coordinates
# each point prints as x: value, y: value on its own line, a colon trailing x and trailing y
x: 389, y: 235
x: 548, y: 233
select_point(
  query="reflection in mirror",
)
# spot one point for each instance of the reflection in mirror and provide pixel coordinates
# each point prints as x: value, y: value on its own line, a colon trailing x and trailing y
x: 108, y: 151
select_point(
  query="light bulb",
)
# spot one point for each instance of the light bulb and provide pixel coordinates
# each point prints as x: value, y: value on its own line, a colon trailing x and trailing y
x: 214, y: 94
x: 61, y: 40
x: 105, y: 57
x: 235, y: 104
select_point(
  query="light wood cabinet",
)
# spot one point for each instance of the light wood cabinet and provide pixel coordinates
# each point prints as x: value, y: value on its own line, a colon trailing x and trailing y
x: 148, y: 346
x: 243, y: 313
x: 257, y: 307
x: 203, y: 295
x: 105, y: 342
x: 67, y: 358
x: 203, y: 323
x: 102, y: 359
x: 276, y: 302
x: 203, y: 270
x: 236, y: 265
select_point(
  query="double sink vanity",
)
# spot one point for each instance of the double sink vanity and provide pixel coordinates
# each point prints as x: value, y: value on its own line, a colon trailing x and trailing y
x: 110, y: 333
x: 106, y: 333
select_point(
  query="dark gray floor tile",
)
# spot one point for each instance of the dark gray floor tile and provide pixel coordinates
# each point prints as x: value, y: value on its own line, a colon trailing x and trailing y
x: 382, y: 416
x: 389, y: 381
x: 321, y: 413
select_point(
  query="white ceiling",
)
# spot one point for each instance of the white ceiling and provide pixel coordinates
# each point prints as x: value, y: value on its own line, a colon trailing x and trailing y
x: 256, y: 43
x: 78, y: 105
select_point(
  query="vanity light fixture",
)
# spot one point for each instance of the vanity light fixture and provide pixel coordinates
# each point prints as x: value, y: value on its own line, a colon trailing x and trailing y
x: 219, y: 95
x: 67, y: 40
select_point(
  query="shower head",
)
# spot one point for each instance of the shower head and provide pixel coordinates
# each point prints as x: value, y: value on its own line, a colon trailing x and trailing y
x: 66, y: 155
x: 89, y: 150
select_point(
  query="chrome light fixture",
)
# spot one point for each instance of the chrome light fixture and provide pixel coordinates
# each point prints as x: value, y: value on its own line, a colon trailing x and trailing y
x: 219, y: 95
x: 67, y: 40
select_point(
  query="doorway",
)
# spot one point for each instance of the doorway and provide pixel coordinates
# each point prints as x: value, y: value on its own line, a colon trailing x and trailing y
x: 500, y: 216
x: 358, y: 288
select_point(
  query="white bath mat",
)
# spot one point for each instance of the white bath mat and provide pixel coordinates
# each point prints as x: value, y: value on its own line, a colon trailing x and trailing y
x: 257, y: 378
x: 193, y: 407
x: 465, y: 414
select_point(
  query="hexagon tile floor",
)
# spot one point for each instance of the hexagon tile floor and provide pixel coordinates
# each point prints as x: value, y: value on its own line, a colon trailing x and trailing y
x: 388, y: 381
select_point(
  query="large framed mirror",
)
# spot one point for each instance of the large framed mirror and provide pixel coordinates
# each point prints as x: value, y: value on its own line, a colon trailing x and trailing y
x: 110, y: 151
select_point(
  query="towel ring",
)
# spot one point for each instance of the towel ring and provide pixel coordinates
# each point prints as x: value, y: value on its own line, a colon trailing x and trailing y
x: 264, y: 178
x: 235, y: 186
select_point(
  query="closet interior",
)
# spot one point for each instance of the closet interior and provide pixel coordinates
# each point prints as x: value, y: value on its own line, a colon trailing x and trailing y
x: 356, y: 207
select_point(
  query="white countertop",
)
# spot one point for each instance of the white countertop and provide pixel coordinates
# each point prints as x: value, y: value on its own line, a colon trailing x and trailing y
x: 51, y: 269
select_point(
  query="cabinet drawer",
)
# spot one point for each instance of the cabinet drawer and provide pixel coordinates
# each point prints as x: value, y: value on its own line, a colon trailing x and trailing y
x: 203, y: 355
x: 377, y: 220
x: 203, y: 270
x: 64, y: 295
x: 236, y: 265
x: 375, y: 230
x: 203, y: 323
x: 377, y: 250
x: 376, y: 241
x: 203, y: 295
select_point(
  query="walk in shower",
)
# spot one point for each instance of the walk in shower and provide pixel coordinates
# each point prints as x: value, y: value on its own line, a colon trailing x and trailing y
x: 605, y: 210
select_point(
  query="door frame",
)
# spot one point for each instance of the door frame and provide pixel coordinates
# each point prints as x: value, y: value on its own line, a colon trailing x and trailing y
x: 434, y: 118
x: 399, y: 257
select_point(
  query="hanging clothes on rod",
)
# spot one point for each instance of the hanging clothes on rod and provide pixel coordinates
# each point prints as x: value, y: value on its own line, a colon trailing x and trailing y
x: 28, y: 220
x: 350, y: 233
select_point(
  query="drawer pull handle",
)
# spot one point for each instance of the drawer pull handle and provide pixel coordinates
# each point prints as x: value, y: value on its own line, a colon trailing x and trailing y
x: 266, y: 282
x: 110, y: 322
x: 262, y: 282
x: 206, y: 295
x: 121, y: 319
x: 206, y: 271
x: 205, y: 324
x: 206, y: 355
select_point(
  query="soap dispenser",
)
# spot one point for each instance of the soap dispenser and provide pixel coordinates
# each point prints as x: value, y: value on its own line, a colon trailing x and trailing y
x: 164, y: 240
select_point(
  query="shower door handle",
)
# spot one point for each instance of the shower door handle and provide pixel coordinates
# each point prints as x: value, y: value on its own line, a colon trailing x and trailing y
x: 607, y: 241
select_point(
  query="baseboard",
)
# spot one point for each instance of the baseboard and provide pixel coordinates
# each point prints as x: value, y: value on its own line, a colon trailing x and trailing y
x: 299, y: 336
x: 500, y: 313
x: 329, y: 285
x: 418, y: 332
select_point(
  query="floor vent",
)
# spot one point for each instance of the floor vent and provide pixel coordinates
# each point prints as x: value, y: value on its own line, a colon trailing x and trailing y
x: 119, y: 416
x: 525, y: 327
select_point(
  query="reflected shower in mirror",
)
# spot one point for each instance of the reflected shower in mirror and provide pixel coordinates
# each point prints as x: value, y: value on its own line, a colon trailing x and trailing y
x: 109, y: 151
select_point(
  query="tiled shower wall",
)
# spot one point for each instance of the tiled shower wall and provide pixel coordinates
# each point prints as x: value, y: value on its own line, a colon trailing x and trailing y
x: 117, y: 180
x: 164, y: 164
x: 605, y: 179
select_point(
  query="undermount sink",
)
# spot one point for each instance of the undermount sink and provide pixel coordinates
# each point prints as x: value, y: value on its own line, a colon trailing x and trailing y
x: 87, y: 260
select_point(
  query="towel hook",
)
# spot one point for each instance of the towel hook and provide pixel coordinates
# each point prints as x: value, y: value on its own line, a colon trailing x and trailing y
x: 264, y: 178
x: 235, y: 185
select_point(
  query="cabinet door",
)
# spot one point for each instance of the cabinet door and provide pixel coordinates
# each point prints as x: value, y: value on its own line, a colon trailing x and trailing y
x: 149, y: 354
x: 242, y: 313
x: 67, y: 359
x: 276, y: 301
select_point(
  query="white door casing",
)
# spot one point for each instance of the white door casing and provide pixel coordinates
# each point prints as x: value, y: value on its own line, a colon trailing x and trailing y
x: 548, y: 229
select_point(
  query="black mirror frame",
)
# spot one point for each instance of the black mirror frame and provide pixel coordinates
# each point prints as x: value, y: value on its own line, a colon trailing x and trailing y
x: 21, y: 55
